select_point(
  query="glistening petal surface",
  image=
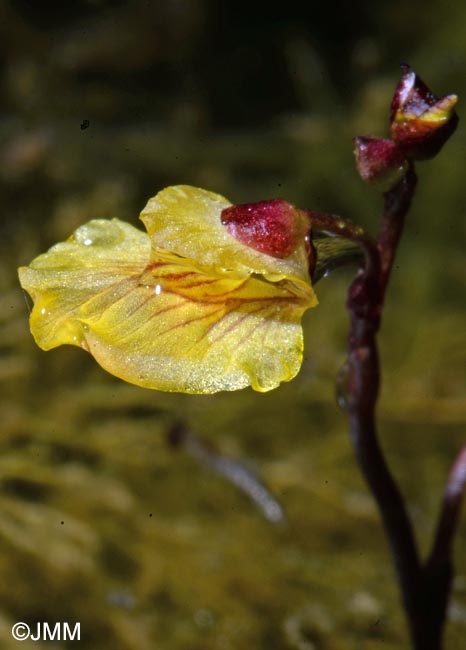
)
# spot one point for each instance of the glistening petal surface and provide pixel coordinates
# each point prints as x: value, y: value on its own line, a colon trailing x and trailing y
x: 161, y: 321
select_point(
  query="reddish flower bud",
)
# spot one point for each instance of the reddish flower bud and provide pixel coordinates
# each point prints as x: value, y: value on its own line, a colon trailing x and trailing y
x: 421, y: 123
x: 379, y: 162
x: 272, y: 227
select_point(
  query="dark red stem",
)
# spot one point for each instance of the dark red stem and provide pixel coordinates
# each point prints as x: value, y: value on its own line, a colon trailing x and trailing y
x: 425, y: 588
x: 438, y: 570
x: 396, y: 205
x: 450, y: 511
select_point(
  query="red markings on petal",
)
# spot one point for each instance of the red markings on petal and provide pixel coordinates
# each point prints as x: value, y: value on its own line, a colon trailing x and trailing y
x: 272, y: 227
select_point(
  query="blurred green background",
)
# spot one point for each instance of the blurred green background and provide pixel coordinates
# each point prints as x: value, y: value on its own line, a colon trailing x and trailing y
x: 103, y: 104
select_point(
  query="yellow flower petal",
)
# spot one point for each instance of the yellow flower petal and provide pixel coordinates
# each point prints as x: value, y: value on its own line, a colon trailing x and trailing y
x: 95, y: 261
x: 161, y: 321
x: 187, y: 221
x: 178, y: 328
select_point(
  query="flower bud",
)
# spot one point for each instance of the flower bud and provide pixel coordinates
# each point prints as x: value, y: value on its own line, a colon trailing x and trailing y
x: 379, y: 162
x: 421, y: 123
x: 272, y: 227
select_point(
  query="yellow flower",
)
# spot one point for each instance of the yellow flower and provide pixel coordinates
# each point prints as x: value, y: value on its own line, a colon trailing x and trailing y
x: 187, y: 307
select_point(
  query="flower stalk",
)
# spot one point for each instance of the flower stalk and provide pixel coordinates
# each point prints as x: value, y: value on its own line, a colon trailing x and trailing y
x: 425, y: 586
